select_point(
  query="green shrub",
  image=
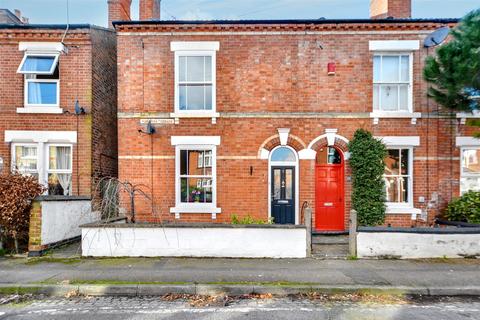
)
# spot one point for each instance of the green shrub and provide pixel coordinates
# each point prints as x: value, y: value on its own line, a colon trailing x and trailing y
x: 465, y: 209
x: 367, y: 161
x: 249, y: 220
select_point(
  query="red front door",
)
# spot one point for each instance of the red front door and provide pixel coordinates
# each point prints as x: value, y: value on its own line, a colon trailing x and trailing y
x: 329, y: 198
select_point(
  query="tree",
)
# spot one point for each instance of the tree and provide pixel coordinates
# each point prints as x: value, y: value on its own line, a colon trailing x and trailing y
x: 367, y: 161
x: 455, y: 70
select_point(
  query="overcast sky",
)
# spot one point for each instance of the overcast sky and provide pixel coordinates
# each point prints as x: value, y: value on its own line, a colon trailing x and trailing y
x: 95, y: 11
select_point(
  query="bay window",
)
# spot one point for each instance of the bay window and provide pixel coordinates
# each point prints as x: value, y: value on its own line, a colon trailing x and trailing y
x: 54, y: 170
x: 195, y: 177
x: 470, y: 169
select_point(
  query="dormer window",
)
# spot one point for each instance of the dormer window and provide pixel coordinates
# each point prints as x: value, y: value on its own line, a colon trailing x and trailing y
x: 42, y: 82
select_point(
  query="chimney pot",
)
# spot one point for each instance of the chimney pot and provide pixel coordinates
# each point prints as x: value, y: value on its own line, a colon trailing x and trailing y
x: 394, y: 9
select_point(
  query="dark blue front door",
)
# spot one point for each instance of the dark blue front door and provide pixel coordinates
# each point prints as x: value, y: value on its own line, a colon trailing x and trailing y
x: 283, y: 195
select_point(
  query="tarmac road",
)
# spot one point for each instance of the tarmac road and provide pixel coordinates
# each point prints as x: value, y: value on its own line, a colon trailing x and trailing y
x: 106, y: 308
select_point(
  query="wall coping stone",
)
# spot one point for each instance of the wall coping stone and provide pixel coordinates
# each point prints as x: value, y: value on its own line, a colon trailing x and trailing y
x: 110, y: 224
x: 62, y: 198
x: 448, y: 230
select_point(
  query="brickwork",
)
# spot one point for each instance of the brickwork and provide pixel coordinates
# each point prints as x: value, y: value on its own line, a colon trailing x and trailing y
x: 118, y: 10
x: 35, y: 229
x: 269, y: 77
x: 87, y: 72
x: 381, y: 9
x: 104, y: 105
x: 149, y: 9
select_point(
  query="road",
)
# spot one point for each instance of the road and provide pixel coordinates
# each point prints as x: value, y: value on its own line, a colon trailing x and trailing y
x: 103, y: 308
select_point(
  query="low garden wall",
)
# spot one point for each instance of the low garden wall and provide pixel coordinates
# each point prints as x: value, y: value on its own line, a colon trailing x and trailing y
x: 56, y: 219
x: 411, y: 243
x: 193, y: 240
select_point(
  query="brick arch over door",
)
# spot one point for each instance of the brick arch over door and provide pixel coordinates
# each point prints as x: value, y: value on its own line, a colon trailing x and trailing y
x: 326, y: 140
x: 274, y: 141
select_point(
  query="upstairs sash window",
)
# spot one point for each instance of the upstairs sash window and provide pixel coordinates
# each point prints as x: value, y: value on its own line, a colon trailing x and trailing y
x: 392, y: 83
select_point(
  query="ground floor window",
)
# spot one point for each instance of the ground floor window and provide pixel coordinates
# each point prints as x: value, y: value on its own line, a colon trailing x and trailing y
x: 53, y: 169
x: 470, y: 170
x: 398, y: 176
x: 195, y: 174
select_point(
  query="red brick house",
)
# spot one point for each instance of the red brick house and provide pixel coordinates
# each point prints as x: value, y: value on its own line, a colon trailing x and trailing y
x: 253, y: 117
x: 58, y: 105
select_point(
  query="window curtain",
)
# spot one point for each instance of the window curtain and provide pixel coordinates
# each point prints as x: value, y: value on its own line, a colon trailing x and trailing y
x: 63, y: 163
x: 34, y: 93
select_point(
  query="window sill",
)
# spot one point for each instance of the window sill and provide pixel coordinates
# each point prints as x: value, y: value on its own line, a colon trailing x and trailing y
x: 463, y: 116
x: 392, y: 209
x: 56, y: 110
x: 195, y: 208
x: 376, y: 115
x: 178, y: 115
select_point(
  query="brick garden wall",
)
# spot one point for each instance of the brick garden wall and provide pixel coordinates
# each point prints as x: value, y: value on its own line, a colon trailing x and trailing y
x: 266, y: 81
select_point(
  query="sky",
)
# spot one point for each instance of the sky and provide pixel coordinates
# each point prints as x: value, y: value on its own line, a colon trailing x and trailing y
x: 95, y: 11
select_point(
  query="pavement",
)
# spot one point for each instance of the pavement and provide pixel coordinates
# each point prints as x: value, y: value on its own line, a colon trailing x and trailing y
x: 291, y: 308
x: 58, y: 274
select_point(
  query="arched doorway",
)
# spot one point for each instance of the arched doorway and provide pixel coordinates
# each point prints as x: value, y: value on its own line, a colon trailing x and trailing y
x: 329, y: 190
x: 283, y: 185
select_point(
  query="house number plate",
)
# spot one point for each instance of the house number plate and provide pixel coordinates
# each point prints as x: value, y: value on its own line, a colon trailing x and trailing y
x: 328, y: 204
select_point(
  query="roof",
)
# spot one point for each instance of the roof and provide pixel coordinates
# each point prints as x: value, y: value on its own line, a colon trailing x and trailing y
x: 6, y: 16
x: 285, y: 21
x: 52, y: 26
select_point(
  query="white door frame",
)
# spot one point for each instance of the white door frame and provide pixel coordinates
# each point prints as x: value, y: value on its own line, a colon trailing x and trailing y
x: 283, y: 164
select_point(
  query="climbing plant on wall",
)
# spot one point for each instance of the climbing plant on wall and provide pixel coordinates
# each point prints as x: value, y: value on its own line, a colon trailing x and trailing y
x: 367, y: 161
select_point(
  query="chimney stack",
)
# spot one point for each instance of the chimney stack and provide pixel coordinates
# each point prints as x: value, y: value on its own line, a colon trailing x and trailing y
x: 149, y: 9
x: 397, y: 9
x: 118, y: 10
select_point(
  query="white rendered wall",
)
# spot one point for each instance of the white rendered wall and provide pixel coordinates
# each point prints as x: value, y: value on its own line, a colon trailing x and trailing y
x: 194, y: 242
x: 61, y: 219
x: 417, y: 245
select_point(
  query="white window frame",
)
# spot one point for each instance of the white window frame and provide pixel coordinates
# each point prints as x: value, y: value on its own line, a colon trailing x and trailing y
x: 47, y: 105
x: 382, y: 54
x: 43, y: 163
x: 39, y: 54
x: 465, y: 174
x: 195, y: 143
x: 404, y: 207
x: 13, y: 157
x: 179, y: 54
x: 195, y: 48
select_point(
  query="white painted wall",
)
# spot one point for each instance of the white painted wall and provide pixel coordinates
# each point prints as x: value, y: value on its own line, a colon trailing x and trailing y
x: 194, y: 242
x: 417, y: 245
x: 61, y: 219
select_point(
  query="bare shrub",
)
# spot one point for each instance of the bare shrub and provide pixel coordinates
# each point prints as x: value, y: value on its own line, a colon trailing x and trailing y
x: 16, y: 194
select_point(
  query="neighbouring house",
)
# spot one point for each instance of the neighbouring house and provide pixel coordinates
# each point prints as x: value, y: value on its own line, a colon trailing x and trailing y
x: 253, y: 117
x: 58, y: 103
